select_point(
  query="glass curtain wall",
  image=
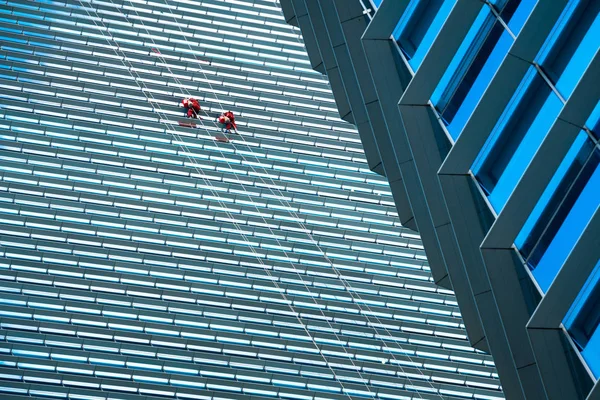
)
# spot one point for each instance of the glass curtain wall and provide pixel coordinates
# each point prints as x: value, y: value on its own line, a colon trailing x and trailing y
x: 141, y: 256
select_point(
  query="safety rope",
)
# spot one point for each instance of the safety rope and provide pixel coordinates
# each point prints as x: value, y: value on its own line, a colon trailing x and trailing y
x: 313, y: 241
x: 348, y: 288
x: 266, y: 269
x: 340, y: 276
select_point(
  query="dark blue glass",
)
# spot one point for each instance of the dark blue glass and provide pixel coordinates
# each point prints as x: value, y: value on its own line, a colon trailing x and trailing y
x: 519, y: 16
x: 516, y: 138
x: 583, y: 319
x: 558, y: 186
x: 593, y: 121
x: 571, y: 183
x: 471, y: 70
x: 565, y: 226
x: 572, y: 45
x: 476, y: 62
x: 419, y: 26
x: 553, y: 194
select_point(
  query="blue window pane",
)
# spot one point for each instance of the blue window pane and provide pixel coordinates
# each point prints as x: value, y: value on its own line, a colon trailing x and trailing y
x: 583, y: 318
x: 591, y: 352
x: 516, y: 138
x: 554, y: 193
x: 556, y: 30
x: 554, y: 247
x: 500, y: 4
x: 407, y: 17
x: 461, y: 61
x: 559, y: 196
x: 572, y: 45
x: 471, y: 70
x: 376, y: 3
x: 517, y: 20
x: 419, y: 27
x: 592, y: 122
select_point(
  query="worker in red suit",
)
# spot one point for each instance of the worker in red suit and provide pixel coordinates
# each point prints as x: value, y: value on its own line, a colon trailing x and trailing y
x: 227, y: 120
x: 192, y: 106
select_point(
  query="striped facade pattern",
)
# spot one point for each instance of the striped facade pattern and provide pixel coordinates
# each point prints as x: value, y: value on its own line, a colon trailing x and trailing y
x: 143, y: 259
x: 484, y: 117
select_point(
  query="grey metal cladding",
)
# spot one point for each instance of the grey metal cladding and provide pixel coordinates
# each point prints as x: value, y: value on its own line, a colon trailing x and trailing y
x: 133, y: 264
x: 561, y: 371
x: 429, y: 146
x: 471, y: 220
x: 471, y: 228
x: 513, y: 290
x: 515, y: 294
x: 341, y: 60
x: 354, y: 69
x: 310, y: 41
x: 595, y: 392
x: 469, y: 250
x: 288, y: 12
x: 333, y: 42
x: 536, y: 178
x: 316, y: 27
x: 391, y: 76
x: 503, y: 85
x: 353, y: 24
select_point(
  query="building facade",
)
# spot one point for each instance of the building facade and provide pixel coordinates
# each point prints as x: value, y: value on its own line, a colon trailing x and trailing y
x: 142, y: 256
x: 484, y: 117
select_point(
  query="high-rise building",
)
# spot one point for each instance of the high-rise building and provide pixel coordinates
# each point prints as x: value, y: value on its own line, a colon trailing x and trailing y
x: 485, y: 118
x: 147, y: 255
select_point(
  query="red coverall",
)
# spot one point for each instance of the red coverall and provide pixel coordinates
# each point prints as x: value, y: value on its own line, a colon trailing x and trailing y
x: 227, y: 119
x: 193, y: 107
